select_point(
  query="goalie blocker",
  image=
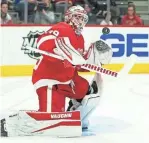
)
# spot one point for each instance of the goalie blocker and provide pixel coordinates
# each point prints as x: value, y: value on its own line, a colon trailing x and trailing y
x: 31, y: 123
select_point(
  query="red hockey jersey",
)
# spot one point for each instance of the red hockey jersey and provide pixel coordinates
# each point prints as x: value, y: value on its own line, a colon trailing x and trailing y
x: 52, y: 68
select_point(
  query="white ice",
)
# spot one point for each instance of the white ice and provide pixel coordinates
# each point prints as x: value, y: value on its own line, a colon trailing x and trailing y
x: 121, y: 117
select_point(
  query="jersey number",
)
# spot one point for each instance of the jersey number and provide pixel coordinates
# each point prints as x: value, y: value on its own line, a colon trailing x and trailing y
x: 54, y: 32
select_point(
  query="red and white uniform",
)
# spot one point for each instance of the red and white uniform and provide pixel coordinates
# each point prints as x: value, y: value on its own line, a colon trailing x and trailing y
x: 55, y: 79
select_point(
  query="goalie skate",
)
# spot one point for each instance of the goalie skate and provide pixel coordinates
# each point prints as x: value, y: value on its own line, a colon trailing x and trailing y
x: 3, y: 128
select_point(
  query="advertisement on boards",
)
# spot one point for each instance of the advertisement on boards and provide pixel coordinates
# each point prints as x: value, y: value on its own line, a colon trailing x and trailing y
x: 127, y: 43
x: 124, y: 41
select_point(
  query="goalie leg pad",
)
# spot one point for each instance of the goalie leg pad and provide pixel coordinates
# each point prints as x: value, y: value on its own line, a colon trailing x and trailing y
x: 89, y: 102
x: 86, y: 107
x: 27, y: 123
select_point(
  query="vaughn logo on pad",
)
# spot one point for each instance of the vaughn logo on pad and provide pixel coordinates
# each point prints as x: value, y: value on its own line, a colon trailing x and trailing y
x: 61, y: 116
x: 31, y: 41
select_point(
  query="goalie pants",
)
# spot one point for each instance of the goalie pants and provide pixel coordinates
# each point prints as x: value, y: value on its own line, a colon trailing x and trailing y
x: 53, y: 100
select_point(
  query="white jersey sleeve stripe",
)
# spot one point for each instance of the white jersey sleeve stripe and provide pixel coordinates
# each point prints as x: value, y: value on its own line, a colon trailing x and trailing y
x: 63, y: 50
x: 69, y: 52
x: 67, y: 42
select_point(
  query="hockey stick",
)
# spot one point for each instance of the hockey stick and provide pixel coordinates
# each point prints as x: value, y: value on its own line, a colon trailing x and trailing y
x: 127, y: 66
x: 90, y: 67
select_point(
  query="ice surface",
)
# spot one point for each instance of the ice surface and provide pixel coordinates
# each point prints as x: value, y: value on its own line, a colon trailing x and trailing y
x: 121, y: 117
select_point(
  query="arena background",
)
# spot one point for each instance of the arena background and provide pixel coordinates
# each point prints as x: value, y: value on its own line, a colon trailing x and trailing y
x: 16, y: 61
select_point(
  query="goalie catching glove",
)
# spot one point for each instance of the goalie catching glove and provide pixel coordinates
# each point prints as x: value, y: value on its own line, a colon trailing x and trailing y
x: 99, y: 53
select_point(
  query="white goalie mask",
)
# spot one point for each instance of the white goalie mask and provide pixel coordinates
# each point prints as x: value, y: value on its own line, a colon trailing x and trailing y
x: 77, y: 17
